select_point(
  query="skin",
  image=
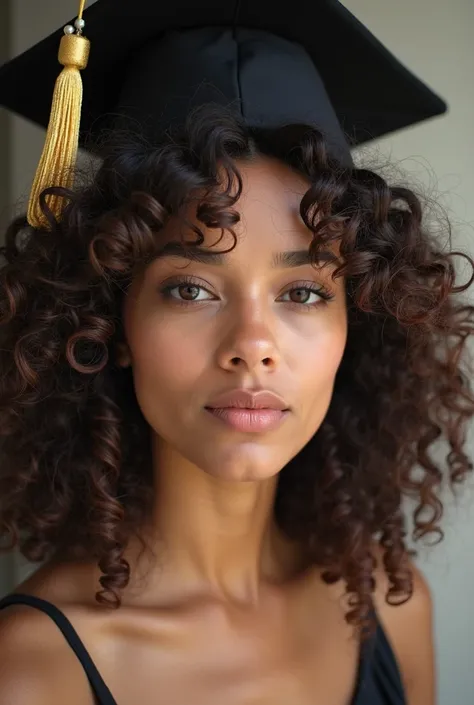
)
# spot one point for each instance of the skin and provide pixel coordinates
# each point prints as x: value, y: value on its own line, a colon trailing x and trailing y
x: 230, y: 611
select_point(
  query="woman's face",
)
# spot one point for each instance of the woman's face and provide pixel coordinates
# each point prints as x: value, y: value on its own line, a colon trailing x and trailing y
x: 256, y: 318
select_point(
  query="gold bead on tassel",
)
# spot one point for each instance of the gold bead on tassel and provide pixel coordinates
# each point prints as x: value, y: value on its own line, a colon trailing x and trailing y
x: 58, y: 161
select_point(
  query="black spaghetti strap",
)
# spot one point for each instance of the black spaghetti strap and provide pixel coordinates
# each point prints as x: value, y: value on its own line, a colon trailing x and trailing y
x: 379, y: 679
x: 101, y: 691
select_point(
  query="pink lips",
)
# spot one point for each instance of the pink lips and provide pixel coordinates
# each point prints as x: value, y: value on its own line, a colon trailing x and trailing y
x: 251, y: 412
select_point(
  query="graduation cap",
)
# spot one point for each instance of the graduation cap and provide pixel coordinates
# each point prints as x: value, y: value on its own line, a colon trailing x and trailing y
x: 304, y: 61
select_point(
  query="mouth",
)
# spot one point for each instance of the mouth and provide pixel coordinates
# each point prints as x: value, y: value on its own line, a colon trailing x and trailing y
x: 249, y: 411
x: 249, y: 420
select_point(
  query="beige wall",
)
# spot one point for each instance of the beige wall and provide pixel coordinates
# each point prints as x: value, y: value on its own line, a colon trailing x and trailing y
x: 434, y: 38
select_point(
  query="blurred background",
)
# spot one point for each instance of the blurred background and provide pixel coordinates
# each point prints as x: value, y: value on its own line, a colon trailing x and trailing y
x: 434, y: 39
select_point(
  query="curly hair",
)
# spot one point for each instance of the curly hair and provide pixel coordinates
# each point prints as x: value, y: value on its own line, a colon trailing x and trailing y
x: 76, y: 455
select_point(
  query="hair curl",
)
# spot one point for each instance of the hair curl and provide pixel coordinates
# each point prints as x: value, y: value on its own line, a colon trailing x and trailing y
x: 76, y: 463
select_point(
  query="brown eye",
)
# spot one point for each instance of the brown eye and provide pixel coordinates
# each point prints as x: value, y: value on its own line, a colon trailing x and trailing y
x: 188, y: 292
x: 300, y: 296
x: 308, y: 296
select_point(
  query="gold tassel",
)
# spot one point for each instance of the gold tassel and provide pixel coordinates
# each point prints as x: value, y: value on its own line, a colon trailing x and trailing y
x: 58, y: 160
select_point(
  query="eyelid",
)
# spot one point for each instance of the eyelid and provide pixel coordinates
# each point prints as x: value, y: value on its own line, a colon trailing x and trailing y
x: 182, y: 279
x: 312, y: 286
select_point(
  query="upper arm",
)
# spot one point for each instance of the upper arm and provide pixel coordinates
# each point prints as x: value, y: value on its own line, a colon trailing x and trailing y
x: 36, y: 668
x: 409, y: 628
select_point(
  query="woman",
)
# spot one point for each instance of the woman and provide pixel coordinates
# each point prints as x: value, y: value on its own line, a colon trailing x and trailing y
x: 224, y: 367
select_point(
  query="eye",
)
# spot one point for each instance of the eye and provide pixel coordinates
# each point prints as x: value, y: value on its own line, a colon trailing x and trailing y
x: 189, y: 292
x: 307, y: 295
x: 184, y: 291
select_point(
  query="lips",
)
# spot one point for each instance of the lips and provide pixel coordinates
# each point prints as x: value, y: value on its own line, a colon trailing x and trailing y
x: 250, y: 412
x: 245, y: 399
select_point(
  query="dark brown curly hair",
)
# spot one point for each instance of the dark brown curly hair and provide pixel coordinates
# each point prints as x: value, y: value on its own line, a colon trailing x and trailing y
x: 76, y: 462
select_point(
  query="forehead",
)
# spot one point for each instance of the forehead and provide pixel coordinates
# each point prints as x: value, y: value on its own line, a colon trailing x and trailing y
x: 268, y: 211
x: 271, y: 183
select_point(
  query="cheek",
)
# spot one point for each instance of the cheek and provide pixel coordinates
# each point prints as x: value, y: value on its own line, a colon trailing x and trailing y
x: 163, y: 357
x: 328, y: 351
x: 168, y: 362
x: 318, y: 362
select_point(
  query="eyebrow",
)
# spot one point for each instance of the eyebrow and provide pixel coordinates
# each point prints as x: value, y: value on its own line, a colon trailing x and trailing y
x: 288, y: 259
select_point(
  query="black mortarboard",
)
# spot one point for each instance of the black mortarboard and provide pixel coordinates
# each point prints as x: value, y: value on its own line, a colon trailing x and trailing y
x: 305, y: 61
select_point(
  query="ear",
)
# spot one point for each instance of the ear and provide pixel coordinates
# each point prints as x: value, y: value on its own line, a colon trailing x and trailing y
x: 122, y: 355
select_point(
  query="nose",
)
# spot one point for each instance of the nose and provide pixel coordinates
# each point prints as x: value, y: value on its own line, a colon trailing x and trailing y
x: 249, y: 345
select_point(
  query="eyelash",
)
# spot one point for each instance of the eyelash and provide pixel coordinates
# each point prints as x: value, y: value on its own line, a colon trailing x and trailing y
x: 323, y: 292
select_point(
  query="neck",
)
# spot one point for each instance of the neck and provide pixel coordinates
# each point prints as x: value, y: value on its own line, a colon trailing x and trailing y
x: 214, y: 536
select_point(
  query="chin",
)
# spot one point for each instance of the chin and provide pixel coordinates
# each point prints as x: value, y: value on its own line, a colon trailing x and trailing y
x: 245, y: 463
x: 238, y: 473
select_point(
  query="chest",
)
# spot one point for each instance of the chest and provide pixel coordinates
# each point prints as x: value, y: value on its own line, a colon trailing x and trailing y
x: 234, y: 686
x: 236, y: 661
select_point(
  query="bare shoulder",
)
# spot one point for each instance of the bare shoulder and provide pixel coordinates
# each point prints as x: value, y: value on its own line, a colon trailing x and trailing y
x: 409, y: 629
x: 36, y: 664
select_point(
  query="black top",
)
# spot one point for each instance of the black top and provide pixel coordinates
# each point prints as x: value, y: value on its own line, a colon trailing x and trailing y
x: 378, y: 679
